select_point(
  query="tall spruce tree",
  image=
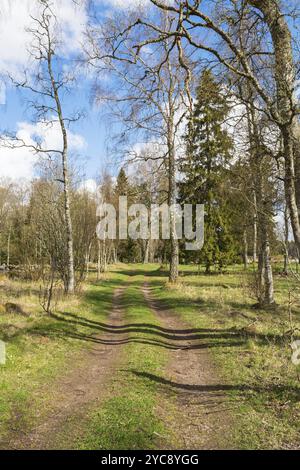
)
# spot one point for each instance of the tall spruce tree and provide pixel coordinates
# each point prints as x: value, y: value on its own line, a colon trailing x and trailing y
x: 208, y: 152
x: 122, y: 185
x: 127, y: 250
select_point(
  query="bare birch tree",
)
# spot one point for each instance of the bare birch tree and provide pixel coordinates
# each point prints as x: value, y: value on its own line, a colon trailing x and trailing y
x: 150, y: 97
x: 46, y: 84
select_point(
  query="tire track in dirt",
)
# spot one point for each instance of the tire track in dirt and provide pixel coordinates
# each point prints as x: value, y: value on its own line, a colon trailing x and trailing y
x: 78, y: 390
x: 201, y: 418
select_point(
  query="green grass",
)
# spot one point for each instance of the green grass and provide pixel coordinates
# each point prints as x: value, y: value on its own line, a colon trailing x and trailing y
x: 249, y: 347
x: 255, y: 361
x: 128, y: 418
x: 40, y: 348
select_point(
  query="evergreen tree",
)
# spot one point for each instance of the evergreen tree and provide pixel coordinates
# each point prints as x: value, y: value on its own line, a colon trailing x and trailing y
x: 127, y: 250
x: 208, y: 152
x: 122, y: 186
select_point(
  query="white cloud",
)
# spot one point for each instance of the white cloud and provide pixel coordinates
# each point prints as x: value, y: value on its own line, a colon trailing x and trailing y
x: 73, y: 20
x: 17, y: 164
x: 89, y: 186
x: 20, y: 162
x: 13, y: 38
x: 15, y: 19
x: 50, y: 135
x: 123, y: 4
x: 14, y: 56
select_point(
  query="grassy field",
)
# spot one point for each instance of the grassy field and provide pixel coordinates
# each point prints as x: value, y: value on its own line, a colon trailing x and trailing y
x: 255, y: 360
x: 40, y: 348
x: 251, y: 350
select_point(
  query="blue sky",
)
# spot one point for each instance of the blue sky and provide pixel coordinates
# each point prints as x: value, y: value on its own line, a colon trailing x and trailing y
x: 90, y: 135
x: 90, y: 127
